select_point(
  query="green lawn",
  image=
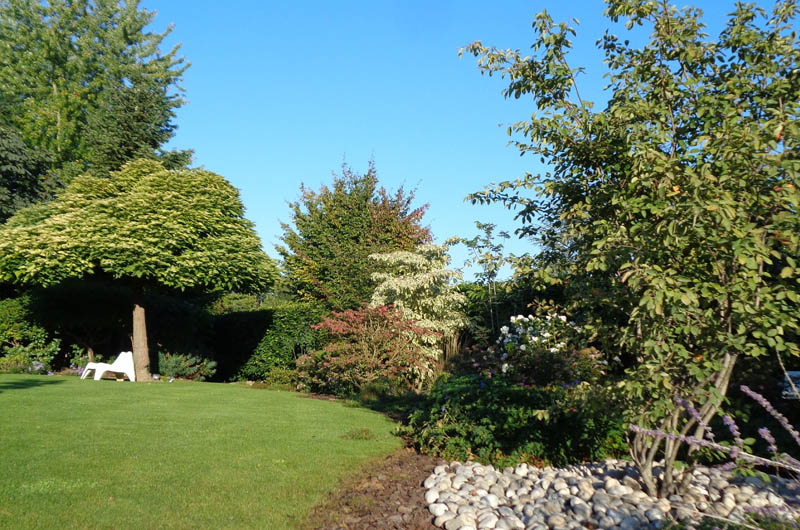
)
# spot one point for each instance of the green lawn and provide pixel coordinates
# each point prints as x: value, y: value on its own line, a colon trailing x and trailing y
x: 104, y: 454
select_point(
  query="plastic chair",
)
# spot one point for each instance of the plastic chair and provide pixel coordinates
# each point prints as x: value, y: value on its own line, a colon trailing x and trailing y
x: 123, y: 364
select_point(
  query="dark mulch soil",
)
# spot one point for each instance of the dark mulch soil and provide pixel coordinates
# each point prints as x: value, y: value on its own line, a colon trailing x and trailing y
x: 387, y: 495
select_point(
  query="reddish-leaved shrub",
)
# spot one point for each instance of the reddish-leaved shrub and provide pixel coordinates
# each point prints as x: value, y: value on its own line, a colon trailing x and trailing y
x: 372, y: 344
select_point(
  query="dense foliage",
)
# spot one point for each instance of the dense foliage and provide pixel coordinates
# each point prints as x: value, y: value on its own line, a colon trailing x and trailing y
x: 144, y: 225
x: 289, y: 336
x: 134, y: 122
x: 676, y: 206
x: 25, y: 346
x: 494, y: 420
x: 326, y: 253
x: 22, y: 173
x: 62, y: 67
x: 372, y: 344
x: 419, y: 285
x: 193, y: 367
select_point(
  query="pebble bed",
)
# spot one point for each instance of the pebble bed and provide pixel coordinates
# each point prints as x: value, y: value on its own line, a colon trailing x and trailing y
x: 473, y: 496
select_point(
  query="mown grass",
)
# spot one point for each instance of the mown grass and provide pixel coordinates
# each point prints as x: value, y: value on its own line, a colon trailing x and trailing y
x: 87, y: 454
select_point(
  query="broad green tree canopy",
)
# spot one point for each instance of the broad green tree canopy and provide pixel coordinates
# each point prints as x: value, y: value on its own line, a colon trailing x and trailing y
x: 144, y: 225
x: 179, y: 229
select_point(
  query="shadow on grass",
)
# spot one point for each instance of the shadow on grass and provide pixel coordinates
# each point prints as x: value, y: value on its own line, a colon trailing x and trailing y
x: 26, y: 383
x: 396, y: 407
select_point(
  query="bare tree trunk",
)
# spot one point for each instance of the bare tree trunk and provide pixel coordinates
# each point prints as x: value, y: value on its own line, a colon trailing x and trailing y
x: 141, y: 354
x: 58, y: 118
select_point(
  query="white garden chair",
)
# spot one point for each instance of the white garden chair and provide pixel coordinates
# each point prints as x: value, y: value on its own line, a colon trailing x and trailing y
x: 123, y: 364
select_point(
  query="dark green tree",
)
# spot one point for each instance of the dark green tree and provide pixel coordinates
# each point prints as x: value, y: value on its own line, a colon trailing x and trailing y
x: 23, y: 173
x: 134, y: 121
x: 677, y: 204
x: 326, y: 253
x: 62, y: 61
x: 144, y: 226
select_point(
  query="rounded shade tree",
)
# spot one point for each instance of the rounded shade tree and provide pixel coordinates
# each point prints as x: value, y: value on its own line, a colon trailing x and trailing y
x: 145, y: 226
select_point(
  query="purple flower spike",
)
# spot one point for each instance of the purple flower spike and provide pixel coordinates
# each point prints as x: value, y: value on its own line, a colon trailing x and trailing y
x: 726, y: 467
x: 737, y: 436
x: 696, y: 415
x: 758, y: 398
x: 767, y: 436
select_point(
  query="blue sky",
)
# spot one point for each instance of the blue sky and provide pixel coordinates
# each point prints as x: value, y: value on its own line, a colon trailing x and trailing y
x: 282, y: 92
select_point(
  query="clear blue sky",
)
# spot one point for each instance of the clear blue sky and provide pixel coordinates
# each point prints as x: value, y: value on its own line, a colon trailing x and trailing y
x: 282, y: 92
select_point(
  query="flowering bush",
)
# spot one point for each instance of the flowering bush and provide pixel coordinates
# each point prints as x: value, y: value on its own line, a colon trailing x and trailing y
x: 371, y: 344
x: 739, y: 452
x: 30, y: 358
x: 547, y: 350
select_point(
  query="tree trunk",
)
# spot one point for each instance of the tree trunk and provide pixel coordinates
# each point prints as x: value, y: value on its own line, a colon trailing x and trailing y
x: 141, y: 354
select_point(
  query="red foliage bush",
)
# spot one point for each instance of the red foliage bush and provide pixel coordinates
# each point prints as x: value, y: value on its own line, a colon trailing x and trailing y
x: 368, y: 345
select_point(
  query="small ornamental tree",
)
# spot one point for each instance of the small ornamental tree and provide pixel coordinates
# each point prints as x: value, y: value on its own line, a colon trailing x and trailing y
x: 420, y: 286
x: 366, y: 345
x: 486, y: 253
x: 676, y: 205
x: 144, y: 226
x: 335, y: 229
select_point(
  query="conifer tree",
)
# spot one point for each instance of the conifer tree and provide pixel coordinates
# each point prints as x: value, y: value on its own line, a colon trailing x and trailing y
x: 21, y: 168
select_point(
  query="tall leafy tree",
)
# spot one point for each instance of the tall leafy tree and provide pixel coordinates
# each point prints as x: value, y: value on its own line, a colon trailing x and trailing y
x: 145, y: 226
x: 326, y: 253
x: 676, y: 205
x: 62, y: 61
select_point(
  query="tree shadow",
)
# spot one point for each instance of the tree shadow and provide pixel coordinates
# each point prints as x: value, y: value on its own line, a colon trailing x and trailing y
x: 397, y: 407
x: 26, y: 383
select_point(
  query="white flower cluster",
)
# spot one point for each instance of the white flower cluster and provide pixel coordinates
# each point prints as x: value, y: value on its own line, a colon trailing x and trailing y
x: 529, y: 330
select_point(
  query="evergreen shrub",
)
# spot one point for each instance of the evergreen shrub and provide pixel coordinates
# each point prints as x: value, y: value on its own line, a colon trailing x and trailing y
x: 288, y: 336
x: 185, y: 366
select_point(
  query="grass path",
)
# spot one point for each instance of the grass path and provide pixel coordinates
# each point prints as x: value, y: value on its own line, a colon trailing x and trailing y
x: 86, y: 454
